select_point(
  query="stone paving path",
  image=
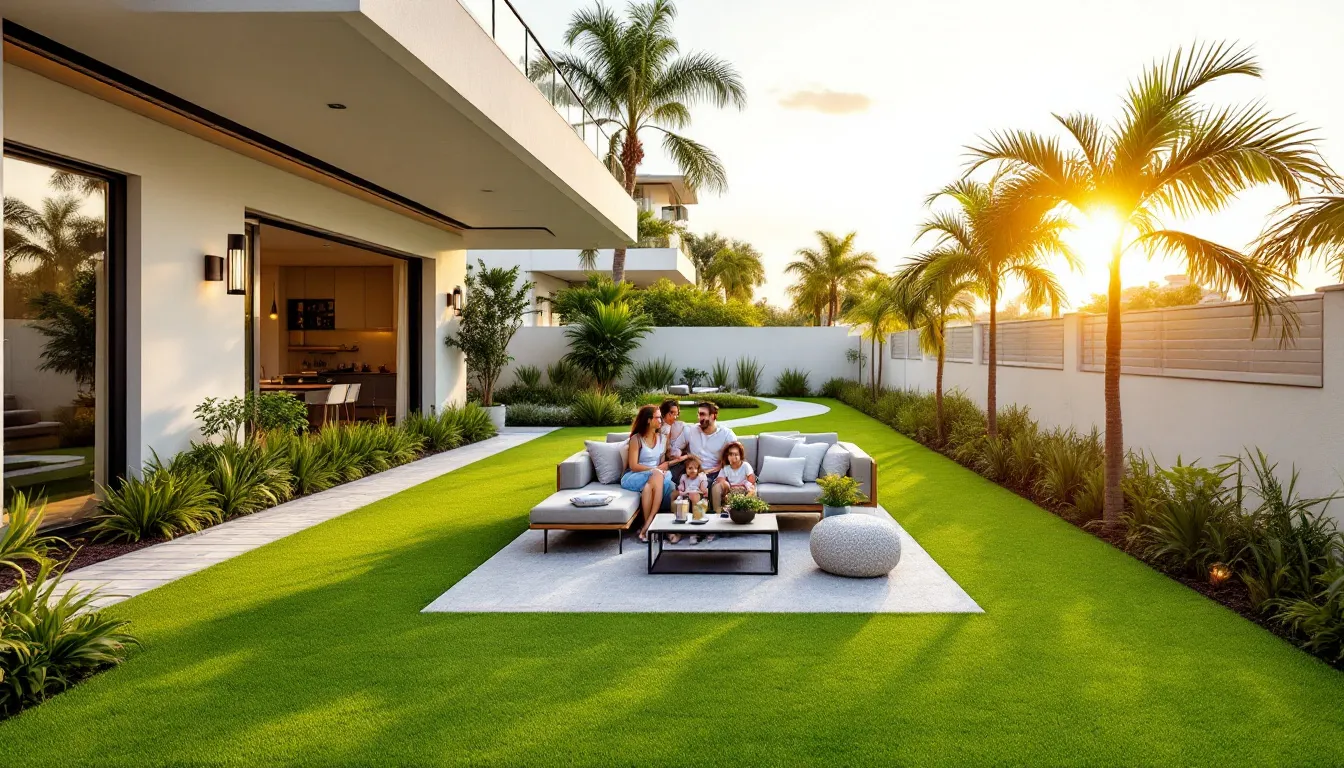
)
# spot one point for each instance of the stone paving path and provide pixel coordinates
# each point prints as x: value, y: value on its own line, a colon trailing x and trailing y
x: 129, y: 575
x: 785, y: 410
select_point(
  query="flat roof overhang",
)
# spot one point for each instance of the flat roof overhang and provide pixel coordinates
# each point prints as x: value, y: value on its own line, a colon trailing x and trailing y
x: 438, y: 124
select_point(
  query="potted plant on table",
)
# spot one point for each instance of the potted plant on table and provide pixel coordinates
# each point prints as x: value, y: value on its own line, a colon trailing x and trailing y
x: 838, y: 494
x: 493, y: 312
x: 742, y: 509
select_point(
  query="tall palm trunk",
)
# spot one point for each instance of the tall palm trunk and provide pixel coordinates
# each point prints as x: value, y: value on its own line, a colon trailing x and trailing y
x: 833, y: 305
x: 992, y: 398
x: 938, y: 395
x: 872, y: 364
x: 1115, y: 440
x: 632, y: 152
x: 881, y: 357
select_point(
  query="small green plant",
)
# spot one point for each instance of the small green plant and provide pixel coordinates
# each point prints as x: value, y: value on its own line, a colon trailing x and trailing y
x: 741, y: 502
x: 721, y: 375
x: 1319, y: 617
x: 169, y: 500
x: 792, y: 383
x: 496, y: 303
x: 721, y: 399
x: 995, y: 459
x: 534, y: 415
x: 309, y: 468
x: 691, y: 377
x: 594, y: 409
x: 471, y: 420
x: 51, y: 639
x: 1066, y: 459
x: 439, y: 433
x: 528, y: 375
x: 833, y: 387
x: 19, y: 540
x: 839, y: 491
x: 1193, y: 526
x: 654, y: 375
x: 565, y: 375
x: 267, y: 412
x: 749, y: 371
x: 246, y: 476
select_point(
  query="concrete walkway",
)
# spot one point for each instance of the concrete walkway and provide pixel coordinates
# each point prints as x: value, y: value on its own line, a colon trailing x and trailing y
x: 785, y: 410
x: 138, y: 572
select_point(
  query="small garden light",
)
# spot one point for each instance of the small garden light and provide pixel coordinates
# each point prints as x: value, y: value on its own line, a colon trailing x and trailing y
x: 1219, y: 573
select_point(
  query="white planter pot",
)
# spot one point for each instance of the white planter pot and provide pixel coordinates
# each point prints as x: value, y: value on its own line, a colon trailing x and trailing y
x: 496, y: 416
x: 833, y: 511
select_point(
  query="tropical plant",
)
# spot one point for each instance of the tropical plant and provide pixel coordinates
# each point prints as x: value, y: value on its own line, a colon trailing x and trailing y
x: 876, y: 310
x: 1169, y: 153
x: 929, y: 300
x: 594, y: 409
x: 1320, y: 616
x: 1066, y: 460
x: 835, y: 266
x: 439, y: 433
x: 668, y: 305
x: 691, y: 377
x: 654, y: 232
x: 629, y: 73
x: 471, y: 420
x: 655, y: 375
x: 736, y: 270
x: 493, y: 313
x: 571, y: 303
x: 1191, y: 527
x: 839, y: 491
x: 310, y: 469
x: 169, y: 500
x: 264, y: 412
x: 528, y: 375
x: 20, y: 541
x: 721, y: 375
x: 749, y: 371
x: 603, y: 341
x: 702, y: 249
x: 987, y: 240
x: 565, y: 375
x: 68, y: 320
x: 51, y: 638
x: 57, y: 241
x: 246, y: 477
x: 1309, y: 228
x: 792, y: 382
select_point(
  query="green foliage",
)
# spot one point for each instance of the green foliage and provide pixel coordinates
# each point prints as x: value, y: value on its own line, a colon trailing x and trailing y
x: 528, y: 376
x: 749, y: 371
x: 721, y: 374
x: 1150, y: 296
x: 52, y: 638
x: 594, y: 409
x: 310, y: 468
x: 833, y: 387
x: 603, y: 341
x: 439, y: 432
x: 668, y: 305
x: 494, y: 309
x: 246, y: 477
x: 169, y: 500
x: 691, y: 376
x: 741, y: 502
x: 1066, y: 460
x: 565, y: 375
x: 1319, y: 616
x: 721, y: 399
x: 68, y: 320
x: 268, y: 411
x: 471, y: 420
x: 781, y: 317
x: 655, y: 375
x: 839, y: 491
x: 792, y: 382
x: 20, y: 541
x: 578, y: 301
x: 539, y: 415
x: 1194, y: 526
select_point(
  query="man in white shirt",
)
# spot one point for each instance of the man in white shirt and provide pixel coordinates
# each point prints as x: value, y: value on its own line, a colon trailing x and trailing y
x: 706, y: 441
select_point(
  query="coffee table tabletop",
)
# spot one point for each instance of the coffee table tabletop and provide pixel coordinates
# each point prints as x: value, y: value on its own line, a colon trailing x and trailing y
x: 721, y: 558
x: 665, y: 522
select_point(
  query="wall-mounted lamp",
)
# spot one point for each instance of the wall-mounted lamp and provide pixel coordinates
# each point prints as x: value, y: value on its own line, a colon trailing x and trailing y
x: 214, y: 269
x: 237, y: 265
x: 455, y: 300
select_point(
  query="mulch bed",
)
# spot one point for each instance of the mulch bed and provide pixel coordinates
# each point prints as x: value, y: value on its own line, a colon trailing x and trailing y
x: 85, y: 551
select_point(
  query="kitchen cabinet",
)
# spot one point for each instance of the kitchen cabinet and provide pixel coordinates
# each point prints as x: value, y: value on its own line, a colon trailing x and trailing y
x: 319, y: 282
x: 379, y: 299
x: 349, y: 294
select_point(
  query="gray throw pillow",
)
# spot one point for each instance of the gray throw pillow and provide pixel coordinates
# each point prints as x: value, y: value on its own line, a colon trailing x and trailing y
x: 608, y: 460
x: 836, y: 461
x: 782, y: 471
x: 813, y: 452
x: 775, y: 445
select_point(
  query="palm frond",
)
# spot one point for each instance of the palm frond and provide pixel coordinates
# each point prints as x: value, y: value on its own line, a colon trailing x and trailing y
x: 1312, y: 229
x: 698, y: 77
x: 698, y: 163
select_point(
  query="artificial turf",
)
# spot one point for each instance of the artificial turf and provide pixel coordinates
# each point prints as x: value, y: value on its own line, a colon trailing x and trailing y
x: 312, y: 651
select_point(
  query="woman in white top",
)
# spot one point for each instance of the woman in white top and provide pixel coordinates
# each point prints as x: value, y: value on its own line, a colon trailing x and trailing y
x: 674, y: 430
x: 647, y: 459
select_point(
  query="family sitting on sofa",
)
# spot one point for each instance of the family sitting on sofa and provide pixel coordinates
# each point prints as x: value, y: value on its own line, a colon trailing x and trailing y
x: 670, y: 459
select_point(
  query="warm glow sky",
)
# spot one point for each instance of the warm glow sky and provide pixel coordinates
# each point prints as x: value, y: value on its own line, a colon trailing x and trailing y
x: 914, y: 81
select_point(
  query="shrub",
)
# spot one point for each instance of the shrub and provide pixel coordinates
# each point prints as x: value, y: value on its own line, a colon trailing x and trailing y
x: 267, y: 412
x: 721, y: 399
x: 1193, y: 527
x: 19, y: 540
x: 437, y: 432
x: 691, y: 377
x: 578, y: 300
x: 1014, y: 420
x: 528, y: 376
x: 78, y: 425
x: 594, y: 409
x: 246, y: 477
x: 534, y: 415
x: 833, y: 387
x: 310, y: 468
x: 741, y: 502
x: 749, y: 372
x: 995, y: 459
x: 51, y: 639
x: 792, y: 383
x: 1066, y: 459
x: 655, y: 375
x: 1144, y: 489
x: 839, y: 491
x: 720, y: 375
x: 166, y: 502
x: 564, y: 375
x: 603, y: 340
x: 470, y: 420
x: 1090, y: 500
x: 669, y: 305
x: 496, y: 303
x: 1319, y: 617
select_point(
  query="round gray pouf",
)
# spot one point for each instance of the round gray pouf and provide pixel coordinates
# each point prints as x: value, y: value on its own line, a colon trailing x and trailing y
x: 856, y: 545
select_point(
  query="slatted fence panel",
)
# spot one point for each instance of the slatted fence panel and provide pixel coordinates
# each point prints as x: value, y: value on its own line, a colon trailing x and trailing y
x: 1027, y: 343
x: 960, y: 344
x: 899, y: 345
x: 1212, y: 342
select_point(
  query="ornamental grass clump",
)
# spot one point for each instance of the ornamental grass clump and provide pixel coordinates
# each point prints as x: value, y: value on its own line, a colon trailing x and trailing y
x: 20, y: 541
x: 792, y: 382
x: 654, y: 375
x: 168, y: 501
x: 749, y: 372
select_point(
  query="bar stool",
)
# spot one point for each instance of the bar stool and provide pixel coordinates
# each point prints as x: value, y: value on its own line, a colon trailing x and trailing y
x: 352, y: 400
x: 335, y: 399
x: 315, y: 398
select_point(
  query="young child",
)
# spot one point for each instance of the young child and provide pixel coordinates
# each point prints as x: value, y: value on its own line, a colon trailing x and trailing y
x: 693, y: 487
x: 737, y: 476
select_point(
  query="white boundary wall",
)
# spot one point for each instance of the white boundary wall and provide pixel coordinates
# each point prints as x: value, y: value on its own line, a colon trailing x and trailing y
x: 1173, y: 416
x: 820, y: 351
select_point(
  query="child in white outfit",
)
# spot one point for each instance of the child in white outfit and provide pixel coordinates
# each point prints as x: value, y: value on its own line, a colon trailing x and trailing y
x: 693, y: 484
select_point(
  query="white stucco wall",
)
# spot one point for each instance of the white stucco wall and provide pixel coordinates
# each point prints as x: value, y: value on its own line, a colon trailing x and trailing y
x: 184, y: 197
x: 43, y: 391
x: 1171, y: 417
x: 820, y: 351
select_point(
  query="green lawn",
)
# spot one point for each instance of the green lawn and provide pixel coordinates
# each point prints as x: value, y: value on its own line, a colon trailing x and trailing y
x: 312, y: 651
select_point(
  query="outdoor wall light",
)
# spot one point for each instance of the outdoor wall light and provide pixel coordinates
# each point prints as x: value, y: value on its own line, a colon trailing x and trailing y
x: 455, y: 300
x: 214, y: 269
x: 237, y: 265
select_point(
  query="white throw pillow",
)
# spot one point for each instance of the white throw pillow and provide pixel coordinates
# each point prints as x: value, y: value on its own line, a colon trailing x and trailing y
x: 836, y: 460
x: 782, y: 471
x: 608, y: 460
x: 813, y: 452
x: 776, y: 445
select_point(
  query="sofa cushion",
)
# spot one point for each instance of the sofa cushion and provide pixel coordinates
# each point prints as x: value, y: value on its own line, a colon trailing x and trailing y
x: 608, y: 460
x: 556, y: 509
x: 618, y: 437
x: 836, y: 460
x: 678, y: 389
x: 753, y: 448
x: 774, y: 493
x: 574, y: 472
x: 812, y: 453
x: 775, y: 445
x: 782, y: 471
x: 831, y: 438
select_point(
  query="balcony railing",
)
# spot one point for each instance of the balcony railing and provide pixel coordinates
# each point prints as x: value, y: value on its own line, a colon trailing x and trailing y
x: 515, y: 38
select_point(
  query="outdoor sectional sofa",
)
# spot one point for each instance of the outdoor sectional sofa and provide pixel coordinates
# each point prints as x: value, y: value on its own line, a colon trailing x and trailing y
x: 576, y: 475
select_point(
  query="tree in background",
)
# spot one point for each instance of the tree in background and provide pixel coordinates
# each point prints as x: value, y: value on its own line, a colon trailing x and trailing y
x: 781, y: 317
x: 1150, y: 296
x: 56, y: 241
x: 1169, y: 153
x: 68, y: 319
x: 875, y: 310
x: 630, y: 72
x: 666, y: 305
x: 702, y: 249
x: 809, y: 294
x: 990, y: 238
x: 836, y: 265
x: 736, y: 270
x: 603, y: 341
x: 652, y: 232
x: 929, y: 301
x: 493, y: 313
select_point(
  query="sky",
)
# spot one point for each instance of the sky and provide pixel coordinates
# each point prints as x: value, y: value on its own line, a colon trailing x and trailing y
x: 858, y: 110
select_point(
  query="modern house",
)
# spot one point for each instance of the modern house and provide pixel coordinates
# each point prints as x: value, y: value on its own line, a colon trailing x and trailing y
x: 665, y: 197
x: 213, y: 197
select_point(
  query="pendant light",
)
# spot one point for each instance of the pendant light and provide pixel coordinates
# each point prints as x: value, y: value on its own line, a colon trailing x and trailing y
x: 275, y: 310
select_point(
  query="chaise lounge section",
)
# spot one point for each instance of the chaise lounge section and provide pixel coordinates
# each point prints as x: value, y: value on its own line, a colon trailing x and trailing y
x: 576, y: 475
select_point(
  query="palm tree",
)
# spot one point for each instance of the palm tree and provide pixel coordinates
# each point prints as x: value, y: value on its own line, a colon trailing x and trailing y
x: 1168, y: 153
x: 990, y: 238
x: 738, y: 270
x: 603, y: 340
x: 929, y: 302
x: 68, y: 320
x: 836, y: 265
x: 809, y: 296
x: 630, y: 73
x: 875, y: 309
x: 1314, y: 228
x: 702, y: 250
x: 58, y: 239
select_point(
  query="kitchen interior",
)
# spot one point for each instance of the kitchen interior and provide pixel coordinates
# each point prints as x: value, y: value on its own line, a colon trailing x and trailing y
x: 331, y: 315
